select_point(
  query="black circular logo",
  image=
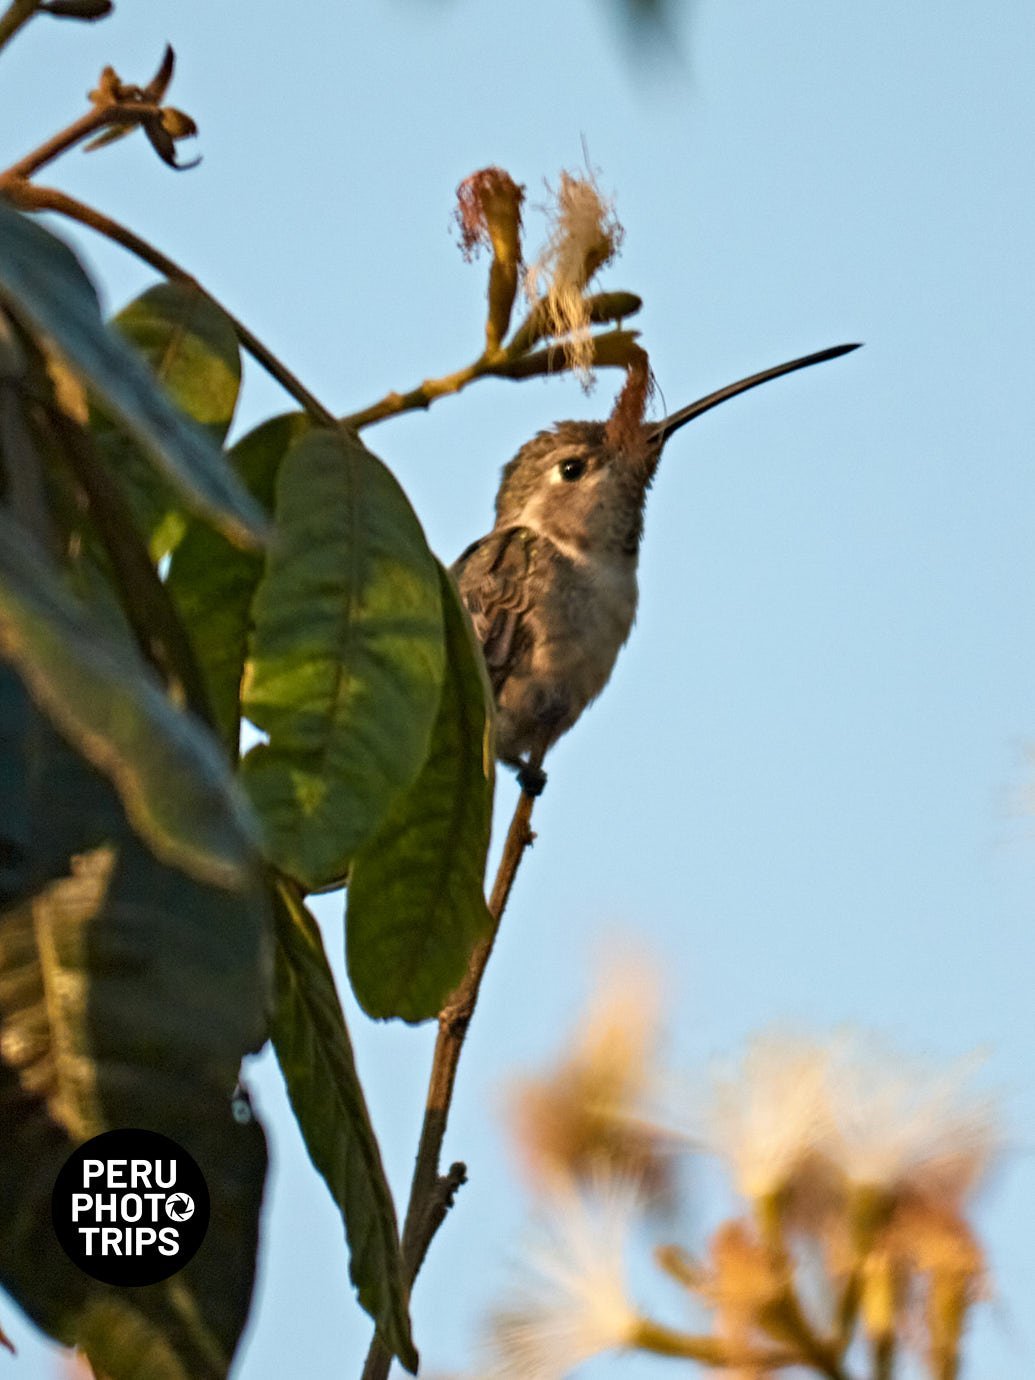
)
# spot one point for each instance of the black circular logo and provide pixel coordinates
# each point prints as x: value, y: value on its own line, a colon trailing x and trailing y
x: 130, y: 1207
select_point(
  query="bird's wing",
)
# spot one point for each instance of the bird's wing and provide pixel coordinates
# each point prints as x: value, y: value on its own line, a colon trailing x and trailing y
x: 495, y: 580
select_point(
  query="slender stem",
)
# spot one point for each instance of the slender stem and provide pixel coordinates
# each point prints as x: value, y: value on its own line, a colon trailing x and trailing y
x: 680, y: 1266
x: 710, y: 1351
x: 431, y: 1192
x: 18, y: 12
x: 90, y: 123
x: 29, y: 197
x: 784, y: 1318
x: 425, y: 393
x: 610, y: 350
x: 848, y: 1310
x: 453, y: 1023
x: 513, y: 361
x: 884, y: 1358
x: 813, y: 1350
x: 420, y: 397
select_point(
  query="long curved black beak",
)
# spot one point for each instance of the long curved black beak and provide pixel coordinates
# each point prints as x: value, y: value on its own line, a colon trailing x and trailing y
x: 659, y: 432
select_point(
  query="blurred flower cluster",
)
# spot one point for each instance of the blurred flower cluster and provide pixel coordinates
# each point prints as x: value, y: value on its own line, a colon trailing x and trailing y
x: 848, y: 1245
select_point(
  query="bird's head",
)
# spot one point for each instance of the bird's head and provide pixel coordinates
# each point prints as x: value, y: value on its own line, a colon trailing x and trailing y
x: 572, y: 486
x: 584, y: 491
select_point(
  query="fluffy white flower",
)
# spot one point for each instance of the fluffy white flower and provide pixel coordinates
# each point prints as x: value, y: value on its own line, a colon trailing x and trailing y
x: 857, y: 1108
x: 769, y: 1114
x: 587, y: 1116
x: 907, y: 1125
x: 569, y: 1302
x: 584, y: 236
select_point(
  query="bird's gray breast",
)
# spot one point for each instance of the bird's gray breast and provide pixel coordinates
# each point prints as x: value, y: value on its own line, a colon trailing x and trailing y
x: 592, y: 604
x: 551, y: 620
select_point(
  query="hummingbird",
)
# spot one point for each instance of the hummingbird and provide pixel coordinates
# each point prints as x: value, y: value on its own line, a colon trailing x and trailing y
x: 552, y: 590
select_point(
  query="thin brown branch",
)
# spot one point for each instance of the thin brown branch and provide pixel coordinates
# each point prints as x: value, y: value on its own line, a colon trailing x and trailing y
x: 610, y: 350
x: 28, y: 197
x: 513, y: 361
x: 100, y: 117
x: 417, y: 398
x: 431, y: 1191
x: 441, y: 1195
x: 425, y: 393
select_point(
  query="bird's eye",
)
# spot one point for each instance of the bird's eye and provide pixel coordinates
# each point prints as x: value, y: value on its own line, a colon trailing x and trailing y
x: 572, y: 469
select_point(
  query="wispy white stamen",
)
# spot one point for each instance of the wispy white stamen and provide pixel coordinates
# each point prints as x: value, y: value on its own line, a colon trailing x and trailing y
x: 569, y: 1302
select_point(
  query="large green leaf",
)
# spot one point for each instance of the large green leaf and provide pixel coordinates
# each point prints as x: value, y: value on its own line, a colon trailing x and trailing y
x: 191, y: 348
x: 128, y: 995
x: 176, y: 788
x: 43, y: 281
x: 416, y: 905
x: 347, y: 657
x: 213, y: 583
x: 315, y: 1054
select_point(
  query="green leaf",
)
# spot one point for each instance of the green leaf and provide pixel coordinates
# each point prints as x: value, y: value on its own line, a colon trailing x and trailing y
x: 43, y: 281
x: 109, y: 541
x: 15, y: 826
x: 190, y: 347
x: 128, y: 995
x: 315, y: 1054
x: 416, y: 906
x: 176, y: 789
x: 347, y: 657
x: 213, y: 583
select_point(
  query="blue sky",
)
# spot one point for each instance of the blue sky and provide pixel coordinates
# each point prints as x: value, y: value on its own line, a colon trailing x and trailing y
x: 804, y: 787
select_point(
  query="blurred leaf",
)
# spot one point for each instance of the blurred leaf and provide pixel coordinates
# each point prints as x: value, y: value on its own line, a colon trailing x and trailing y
x: 16, y: 841
x: 77, y: 9
x: 128, y: 995
x: 41, y: 279
x: 24, y: 483
x: 191, y: 348
x: 110, y: 536
x: 347, y: 657
x: 315, y: 1054
x: 213, y: 583
x: 650, y: 25
x: 416, y: 905
x: 175, y: 787
x: 644, y: 11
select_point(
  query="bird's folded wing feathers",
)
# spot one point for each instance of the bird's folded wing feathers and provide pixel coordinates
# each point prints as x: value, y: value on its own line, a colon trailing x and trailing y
x: 495, y: 580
